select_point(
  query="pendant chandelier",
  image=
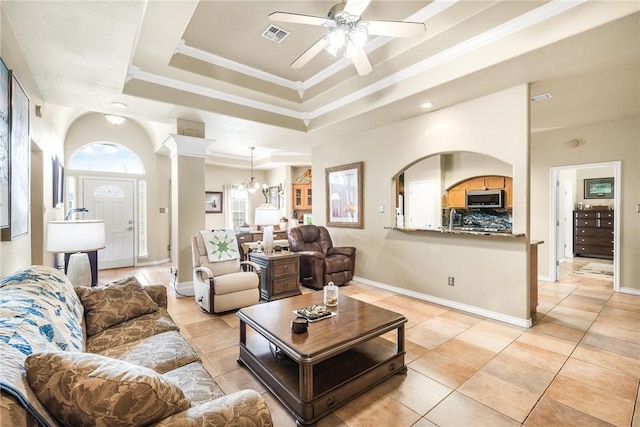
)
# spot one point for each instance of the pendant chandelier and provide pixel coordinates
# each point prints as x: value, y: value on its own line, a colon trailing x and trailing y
x: 251, y: 185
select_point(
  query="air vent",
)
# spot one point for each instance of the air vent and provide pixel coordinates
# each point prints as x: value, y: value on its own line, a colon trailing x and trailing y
x: 275, y: 34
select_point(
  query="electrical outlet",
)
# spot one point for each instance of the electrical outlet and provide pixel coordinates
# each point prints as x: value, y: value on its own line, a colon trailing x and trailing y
x: 450, y: 281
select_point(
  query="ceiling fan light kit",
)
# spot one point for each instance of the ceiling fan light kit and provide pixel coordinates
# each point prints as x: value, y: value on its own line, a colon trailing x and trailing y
x: 347, y: 32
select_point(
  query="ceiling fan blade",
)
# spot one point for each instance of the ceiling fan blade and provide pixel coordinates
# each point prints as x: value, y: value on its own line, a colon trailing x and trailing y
x: 361, y: 62
x: 395, y: 28
x: 356, y: 7
x: 295, y: 18
x: 310, y: 53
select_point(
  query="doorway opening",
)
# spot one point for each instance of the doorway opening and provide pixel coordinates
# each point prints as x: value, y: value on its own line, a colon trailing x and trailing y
x: 567, y: 203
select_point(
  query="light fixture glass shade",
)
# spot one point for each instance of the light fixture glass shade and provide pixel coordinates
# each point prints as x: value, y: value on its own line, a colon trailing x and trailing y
x: 251, y: 185
x: 75, y: 236
x: 114, y: 119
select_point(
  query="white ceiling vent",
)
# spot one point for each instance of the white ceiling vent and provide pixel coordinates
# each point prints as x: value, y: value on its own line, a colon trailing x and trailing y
x: 275, y: 34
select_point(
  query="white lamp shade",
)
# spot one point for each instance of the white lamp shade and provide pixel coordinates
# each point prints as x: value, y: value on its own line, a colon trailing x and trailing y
x: 267, y: 216
x: 75, y: 236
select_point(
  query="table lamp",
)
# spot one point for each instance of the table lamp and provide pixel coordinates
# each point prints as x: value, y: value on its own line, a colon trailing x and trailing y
x: 267, y: 215
x: 77, y: 238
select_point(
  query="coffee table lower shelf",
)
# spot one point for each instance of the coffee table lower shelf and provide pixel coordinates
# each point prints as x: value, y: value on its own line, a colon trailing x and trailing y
x: 336, y: 380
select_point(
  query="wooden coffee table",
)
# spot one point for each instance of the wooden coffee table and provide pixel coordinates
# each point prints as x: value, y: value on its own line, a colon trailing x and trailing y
x: 339, y: 358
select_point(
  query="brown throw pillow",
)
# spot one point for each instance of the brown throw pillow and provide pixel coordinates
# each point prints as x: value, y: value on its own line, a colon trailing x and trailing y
x: 116, y: 302
x: 86, y: 389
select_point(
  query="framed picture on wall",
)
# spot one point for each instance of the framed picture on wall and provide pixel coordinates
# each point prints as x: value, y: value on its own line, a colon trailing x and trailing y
x: 213, y: 201
x: 598, y: 188
x: 274, y: 196
x: 5, y: 192
x: 58, y: 182
x: 19, y: 151
x: 344, y: 196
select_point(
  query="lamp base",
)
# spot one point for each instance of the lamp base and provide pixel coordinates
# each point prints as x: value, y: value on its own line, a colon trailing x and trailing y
x: 267, y: 239
x: 79, y: 269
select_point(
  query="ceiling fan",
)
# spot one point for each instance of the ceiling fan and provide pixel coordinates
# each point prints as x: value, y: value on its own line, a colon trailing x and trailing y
x: 347, y: 32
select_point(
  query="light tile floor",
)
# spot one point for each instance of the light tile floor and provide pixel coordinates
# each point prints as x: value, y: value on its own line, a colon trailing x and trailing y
x: 579, y: 365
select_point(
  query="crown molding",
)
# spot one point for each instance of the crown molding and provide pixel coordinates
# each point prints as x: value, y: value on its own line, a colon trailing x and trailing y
x: 535, y: 16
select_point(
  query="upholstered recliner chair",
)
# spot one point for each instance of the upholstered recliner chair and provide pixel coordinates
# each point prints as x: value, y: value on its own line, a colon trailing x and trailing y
x: 320, y: 261
x: 221, y: 281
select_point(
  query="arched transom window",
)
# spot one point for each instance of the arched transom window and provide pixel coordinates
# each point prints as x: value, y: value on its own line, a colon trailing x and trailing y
x: 106, y: 157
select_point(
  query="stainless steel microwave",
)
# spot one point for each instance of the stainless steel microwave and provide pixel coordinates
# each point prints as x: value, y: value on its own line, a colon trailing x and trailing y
x: 485, y: 199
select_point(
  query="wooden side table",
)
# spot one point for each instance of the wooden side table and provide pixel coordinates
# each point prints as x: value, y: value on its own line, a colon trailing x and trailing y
x: 280, y: 276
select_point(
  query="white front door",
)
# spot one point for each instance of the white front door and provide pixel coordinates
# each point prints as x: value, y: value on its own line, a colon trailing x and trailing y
x: 112, y: 201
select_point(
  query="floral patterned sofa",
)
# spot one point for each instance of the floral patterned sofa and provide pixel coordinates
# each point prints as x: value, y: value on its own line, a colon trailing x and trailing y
x: 109, y: 355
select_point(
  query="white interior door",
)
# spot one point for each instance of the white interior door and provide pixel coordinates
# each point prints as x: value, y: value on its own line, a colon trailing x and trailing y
x: 112, y: 201
x: 421, y: 205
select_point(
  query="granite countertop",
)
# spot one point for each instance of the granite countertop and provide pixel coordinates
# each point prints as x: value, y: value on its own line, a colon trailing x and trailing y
x: 501, y: 233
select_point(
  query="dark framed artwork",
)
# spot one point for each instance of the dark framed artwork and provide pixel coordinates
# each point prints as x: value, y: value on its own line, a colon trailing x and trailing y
x: 274, y: 196
x: 5, y: 94
x: 58, y: 182
x: 213, y: 201
x: 598, y: 188
x: 19, y: 170
x: 344, y: 196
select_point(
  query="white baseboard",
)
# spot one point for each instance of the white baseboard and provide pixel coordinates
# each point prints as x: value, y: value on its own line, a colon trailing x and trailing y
x: 149, y: 263
x: 545, y: 278
x: 524, y: 323
x: 182, y: 290
x: 630, y: 291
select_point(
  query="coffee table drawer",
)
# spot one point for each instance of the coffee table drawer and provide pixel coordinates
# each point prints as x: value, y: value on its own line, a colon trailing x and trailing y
x: 333, y: 399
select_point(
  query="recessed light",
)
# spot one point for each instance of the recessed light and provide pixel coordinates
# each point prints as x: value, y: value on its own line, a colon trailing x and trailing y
x: 119, y: 104
x: 427, y: 105
x: 540, y: 97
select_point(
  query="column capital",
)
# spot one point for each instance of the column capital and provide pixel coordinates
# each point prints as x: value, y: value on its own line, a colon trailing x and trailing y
x: 181, y: 145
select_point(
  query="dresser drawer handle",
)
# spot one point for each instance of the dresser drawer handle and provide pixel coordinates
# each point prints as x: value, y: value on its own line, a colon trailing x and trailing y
x: 331, y: 402
x: 392, y: 366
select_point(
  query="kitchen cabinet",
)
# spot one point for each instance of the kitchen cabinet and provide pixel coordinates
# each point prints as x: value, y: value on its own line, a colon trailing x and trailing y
x: 302, y: 197
x: 593, y: 233
x: 456, y: 195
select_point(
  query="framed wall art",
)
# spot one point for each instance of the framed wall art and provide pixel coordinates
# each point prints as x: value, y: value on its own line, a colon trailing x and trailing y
x: 274, y: 196
x: 58, y: 182
x: 5, y: 94
x: 344, y: 196
x: 213, y: 202
x: 598, y: 188
x: 19, y: 164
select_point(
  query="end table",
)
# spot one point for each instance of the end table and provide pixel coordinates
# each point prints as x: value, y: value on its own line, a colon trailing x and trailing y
x: 280, y: 276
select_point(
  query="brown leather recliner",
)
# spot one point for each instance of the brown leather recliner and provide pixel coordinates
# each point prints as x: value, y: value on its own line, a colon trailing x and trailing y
x: 320, y: 261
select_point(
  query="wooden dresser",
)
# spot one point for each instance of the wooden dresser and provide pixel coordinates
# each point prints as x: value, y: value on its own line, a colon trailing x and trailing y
x: 593, y: 233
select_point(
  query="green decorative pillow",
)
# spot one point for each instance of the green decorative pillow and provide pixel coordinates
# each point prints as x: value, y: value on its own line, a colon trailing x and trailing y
x: 116, y: 302
x: 83, y: 389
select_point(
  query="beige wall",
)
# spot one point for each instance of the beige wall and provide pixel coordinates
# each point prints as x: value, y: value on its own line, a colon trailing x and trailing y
x: 607, y: 142
x: 491, y: 273
x: 46, y: 141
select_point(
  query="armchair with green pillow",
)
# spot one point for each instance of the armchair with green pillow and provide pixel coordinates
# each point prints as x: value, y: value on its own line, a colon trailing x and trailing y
x: 109, y: 355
